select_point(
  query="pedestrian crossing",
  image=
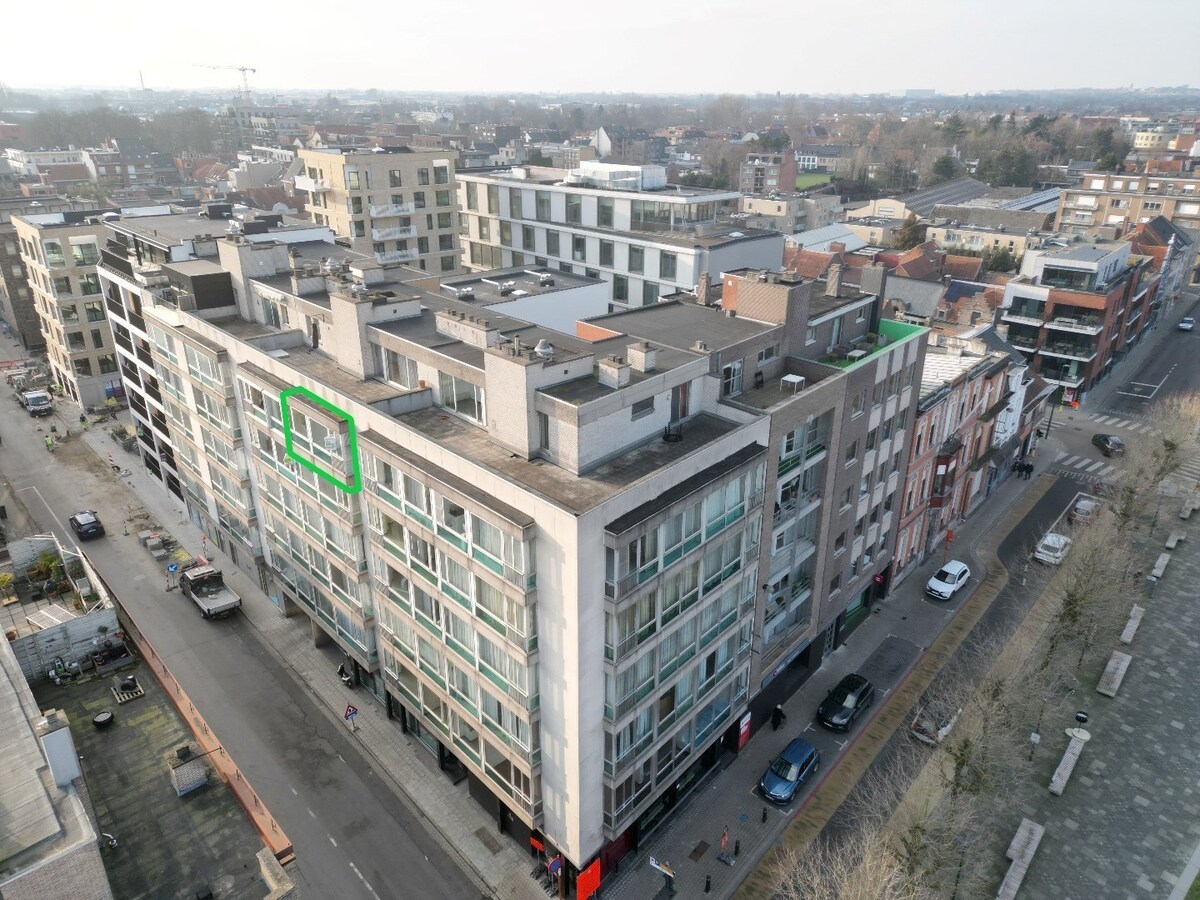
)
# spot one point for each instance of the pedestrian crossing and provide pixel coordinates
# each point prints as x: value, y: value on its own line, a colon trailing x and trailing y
x: 1110, y: 420
x: 1082, y: 468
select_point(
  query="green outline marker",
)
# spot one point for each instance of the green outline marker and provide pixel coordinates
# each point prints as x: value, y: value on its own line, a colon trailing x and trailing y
x: 351, y: 487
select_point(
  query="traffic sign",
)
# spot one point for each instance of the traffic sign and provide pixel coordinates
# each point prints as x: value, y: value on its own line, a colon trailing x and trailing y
x: 351, y: 712
x: 173, y: 568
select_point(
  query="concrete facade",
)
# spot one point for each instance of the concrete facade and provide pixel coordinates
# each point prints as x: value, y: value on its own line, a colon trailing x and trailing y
x: 1121, y: 201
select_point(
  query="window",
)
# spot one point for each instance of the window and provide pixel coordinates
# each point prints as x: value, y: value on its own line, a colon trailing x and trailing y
x: 442, y: 198
x: 75, y: 341
x: 514, y: 203
x: 485, y: 228
x: 666, y: 266
x: 85, y: 254
x: 650, y: 293
x: 422, y: 176
x: 643, y: 408
x: 620, y: 287
x: 464, y: 398
x: 810, y: 336
x: 422, y: 245
x: 852, y: 453
x: 94, y: 311
x: 449, y: 262
x: 579, y: 248
x: 731, y: 379
x: 445, y: 242
x: 542, y: 202
x: 637, y: 260
x: 418, y: 199
x: 394, y: 180
x: 860, y: 404
x: 441, y: 174
x: 604, y: 212
x: 83, y: 367
x: 552, y: 243
x: 358, y: 229
x: 606, y: 253
x: 356, y: 206
x: 872, y: 438
x: 108, y: 363
x: 97, y: 339
x: 528, y: 238
x: 768, y: 353
x: 399, y: 369
x: 493, y: 198
x: 62, y: 286
x: 835, y: 584
x: 352, y: 183
x: 574, y: 209
x: 839, y: 545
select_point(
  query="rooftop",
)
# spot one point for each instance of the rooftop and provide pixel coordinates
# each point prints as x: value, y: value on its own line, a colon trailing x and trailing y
x: 506, y: 285
x: 680, y: 324
x: 956, y: 191
x: 576, y: 493
x: 890, y: 333
x: 175, y: 228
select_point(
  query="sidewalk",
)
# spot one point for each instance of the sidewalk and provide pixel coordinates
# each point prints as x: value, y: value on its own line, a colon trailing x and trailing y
x: 446, y: 809
x: 691, y: 839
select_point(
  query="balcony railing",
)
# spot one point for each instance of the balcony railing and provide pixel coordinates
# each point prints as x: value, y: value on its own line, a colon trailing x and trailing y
x: 798, y: 506
x: 1082, y: 325
x: 1022, y: 316
x: 1069, y: 351
x: 397, y: 256
x: 311, y: 185
x: 395, y: 233
x: 391, y: 209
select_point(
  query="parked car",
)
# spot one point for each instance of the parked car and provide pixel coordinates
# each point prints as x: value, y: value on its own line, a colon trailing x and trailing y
x: 86, y: 524
x: 933, y: 722
x: 789, y: 771
x: 1083, y: 511
x: 1187, y: 323
x: 1052, y: 549
x: 948, y: 580
x: 846, y: 702
x: 1109, y: 444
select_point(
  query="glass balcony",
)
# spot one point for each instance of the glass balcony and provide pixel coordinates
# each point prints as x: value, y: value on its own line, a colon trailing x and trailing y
x: 394, y: 233
x: 397, y: 256
x: 391, y: 209
x: 1080, y: 325
x: 311, y: 185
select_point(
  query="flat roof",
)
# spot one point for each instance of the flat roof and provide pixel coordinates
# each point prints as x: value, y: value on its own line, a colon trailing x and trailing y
x: 487, y: 286
x: 28, y: 813
x: 575, y: 493
x: 175, y: 228
x: 679, y: 324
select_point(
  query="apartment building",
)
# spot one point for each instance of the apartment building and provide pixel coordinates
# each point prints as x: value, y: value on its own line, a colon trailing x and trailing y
x: 396, y: 203
x: 1077, y: 307
x: 542, y: 543
x: 59, y: 252
x: 16, y: 296
x: 1122, y: 200
x: 622, y: 223
x: 133, y: 275
x: 765, y: 172
x: 790, y: 213
x: 962, y: 444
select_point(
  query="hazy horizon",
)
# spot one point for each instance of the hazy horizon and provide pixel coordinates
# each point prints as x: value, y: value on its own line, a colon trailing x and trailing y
x: 705, y: 47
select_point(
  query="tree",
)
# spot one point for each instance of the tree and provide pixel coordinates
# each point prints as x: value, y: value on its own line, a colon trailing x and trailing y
x: 954, y: 128
x: 1011, y: 165
x: 537, y: 158
x: 944, y: 168
x: 1001, y: 260
x: 910, y: 234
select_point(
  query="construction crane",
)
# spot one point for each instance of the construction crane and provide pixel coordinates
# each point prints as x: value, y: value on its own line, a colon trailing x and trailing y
x: 242, y: 69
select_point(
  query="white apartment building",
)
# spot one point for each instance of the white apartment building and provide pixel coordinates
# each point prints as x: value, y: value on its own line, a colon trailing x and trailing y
x: 542, y: 546
x: 622, y: 223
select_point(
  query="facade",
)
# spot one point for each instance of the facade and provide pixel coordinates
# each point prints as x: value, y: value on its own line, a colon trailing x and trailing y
x: 766, y: 172
x: 16, y: 296
x: 396, y: 203
x: 963, y: 443
x: 1122, y: 201
x: 835, y: 158
x: 790, y: 213
x: 624, y: 224
x: 1076, y: 309
x: 542, y: 546
x: 60, y: 252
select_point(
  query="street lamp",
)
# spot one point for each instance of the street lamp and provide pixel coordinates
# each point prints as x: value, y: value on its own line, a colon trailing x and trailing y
x: 1062, y: 388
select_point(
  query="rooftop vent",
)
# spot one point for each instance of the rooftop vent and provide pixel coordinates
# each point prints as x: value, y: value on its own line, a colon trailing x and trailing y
x: 544, y: 349
x: 545, y: 279
x: 700, y: 347
x: 507, y: 288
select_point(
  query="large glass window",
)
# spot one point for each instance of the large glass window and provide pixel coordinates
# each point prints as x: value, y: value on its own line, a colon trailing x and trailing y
x: 87, y: 254
x: 606, y: 253
x: 441, y: 174
x: 552, y: 243
x: 472, y: 195
x: 574, y: 209
x: 543, y: 206
x: 514, y: 203
x: 579, y: 248
x: 637, y: 260
x: 620, y: 287
x: 464, y: 398
x: 666, y: 266
x: 604, y: 212
x: 54, y: 253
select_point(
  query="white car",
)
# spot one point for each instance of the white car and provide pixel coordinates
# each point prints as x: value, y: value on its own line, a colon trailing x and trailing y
x: 934, y: 722
x: 948, y: 580
x: 1052, y: 549
x: 1186, y: 324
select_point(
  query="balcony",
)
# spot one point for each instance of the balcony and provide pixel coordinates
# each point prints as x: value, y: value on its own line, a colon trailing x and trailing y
x: 388, y: 209
x: 1082, y: 325
x: 311, y: 185
x: 393, y: 256
x: 1071, y: 381
x: 1069, y: 351
x: 796, y: 507
x: 1022, y: 316
x: 1029, y: 345
x: 395, y: 233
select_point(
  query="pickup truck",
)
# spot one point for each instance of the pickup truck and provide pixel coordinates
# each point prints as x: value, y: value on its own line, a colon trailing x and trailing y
x: 206, y: 588
x: 36, y: 403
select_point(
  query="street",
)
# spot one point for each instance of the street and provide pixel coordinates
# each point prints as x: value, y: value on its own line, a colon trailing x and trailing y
x: 354, y: 838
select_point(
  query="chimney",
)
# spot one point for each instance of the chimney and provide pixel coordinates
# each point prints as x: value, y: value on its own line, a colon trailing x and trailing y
x: 614, y: 372
x: 702, y: 288
x: 833, y: 280
x: 642, y: 356
x: 837, y: 247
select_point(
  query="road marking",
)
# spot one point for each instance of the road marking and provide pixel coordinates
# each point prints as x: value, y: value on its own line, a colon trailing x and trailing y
x: 295, y: 793
x: 366, y: 883
x: 311, y: 813
x: 1104, y: 420
x: 1094, y: 466
x: 331, y: 840
x: 1070, y: 460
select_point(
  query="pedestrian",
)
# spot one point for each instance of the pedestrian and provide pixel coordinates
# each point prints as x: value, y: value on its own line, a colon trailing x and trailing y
x: 83, y: 420
x: 778, y: 717
x: 1028, y: 471
x: 1017, y: 465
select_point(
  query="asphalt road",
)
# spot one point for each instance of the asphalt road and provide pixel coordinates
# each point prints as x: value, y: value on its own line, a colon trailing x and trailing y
x: 354, y: 839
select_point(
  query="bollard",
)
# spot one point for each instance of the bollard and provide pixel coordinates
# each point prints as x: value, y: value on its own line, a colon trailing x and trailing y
x: 707, y: 884
x: 764, y: 817
x: 737, y: 846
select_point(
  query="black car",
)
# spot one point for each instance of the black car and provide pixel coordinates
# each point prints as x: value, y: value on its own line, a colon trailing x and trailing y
x: 1109, y: 444
x: 845, y: 702
x: 87, y: 524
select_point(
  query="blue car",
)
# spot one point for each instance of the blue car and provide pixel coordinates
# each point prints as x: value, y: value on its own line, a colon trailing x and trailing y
x: 789, y: 770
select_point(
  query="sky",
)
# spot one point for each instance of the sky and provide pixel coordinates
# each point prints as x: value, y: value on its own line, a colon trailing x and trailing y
x: 662, y: 46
